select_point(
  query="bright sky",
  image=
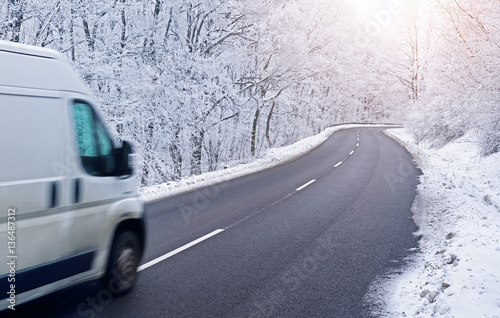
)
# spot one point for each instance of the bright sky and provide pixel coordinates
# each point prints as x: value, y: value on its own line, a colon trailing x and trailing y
x: 366, y: 7
x: 381, y: 17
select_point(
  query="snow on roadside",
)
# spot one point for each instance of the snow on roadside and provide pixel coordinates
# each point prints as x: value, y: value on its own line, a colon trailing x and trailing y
x: 456, y: 272
x: 271, y: 157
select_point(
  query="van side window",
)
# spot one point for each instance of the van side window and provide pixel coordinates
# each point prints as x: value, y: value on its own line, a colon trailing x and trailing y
x: 94, y: 145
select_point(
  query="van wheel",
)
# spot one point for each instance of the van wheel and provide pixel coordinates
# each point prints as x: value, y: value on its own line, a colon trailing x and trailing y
x: 121, y: 273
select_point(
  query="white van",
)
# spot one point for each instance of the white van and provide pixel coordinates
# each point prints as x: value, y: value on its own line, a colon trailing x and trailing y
x: 69, y: 206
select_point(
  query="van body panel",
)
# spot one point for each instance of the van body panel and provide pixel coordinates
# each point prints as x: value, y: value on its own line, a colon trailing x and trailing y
x: 28, y: 179
x: 42, y: 70
x: 36, y: 155
x: 46, y: 273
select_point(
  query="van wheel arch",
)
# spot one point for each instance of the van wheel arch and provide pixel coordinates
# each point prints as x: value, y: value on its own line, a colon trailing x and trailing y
x: 125, y: 254
x: 136, y: 226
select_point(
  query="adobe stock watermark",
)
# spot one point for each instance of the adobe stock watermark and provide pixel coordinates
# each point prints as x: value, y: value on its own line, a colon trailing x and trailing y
x: 404, y: 171
x: 293, y: 278
x: 200, y: 202
x: 104, y: 297
x: 380, y: 20
x: 11, y: 257
x: 70, y: 163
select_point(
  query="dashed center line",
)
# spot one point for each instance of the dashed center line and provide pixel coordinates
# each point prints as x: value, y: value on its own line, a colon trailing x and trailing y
x: 209, y: 235
x: 305, y: 185
x: 178, y: 250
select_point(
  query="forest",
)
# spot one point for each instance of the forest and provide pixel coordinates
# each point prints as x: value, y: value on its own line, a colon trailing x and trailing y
x: 199, y: 85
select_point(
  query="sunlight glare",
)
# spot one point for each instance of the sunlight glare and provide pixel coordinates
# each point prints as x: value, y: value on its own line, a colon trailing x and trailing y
x: 365, y: 7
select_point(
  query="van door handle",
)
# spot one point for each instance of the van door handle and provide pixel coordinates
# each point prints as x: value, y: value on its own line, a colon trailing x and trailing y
x: 76, y: 189
x: 53, y: 195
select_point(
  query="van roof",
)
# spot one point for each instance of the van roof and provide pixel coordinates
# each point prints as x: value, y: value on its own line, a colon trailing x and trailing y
x: 28, y: 66
x: 28, y: 50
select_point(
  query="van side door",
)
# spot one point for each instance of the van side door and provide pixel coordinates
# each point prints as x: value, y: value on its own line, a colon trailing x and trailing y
x: 96, y: 187
x: 34, y: 212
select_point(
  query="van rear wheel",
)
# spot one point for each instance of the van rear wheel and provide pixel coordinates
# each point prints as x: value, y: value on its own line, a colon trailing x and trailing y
x: 121, y: 274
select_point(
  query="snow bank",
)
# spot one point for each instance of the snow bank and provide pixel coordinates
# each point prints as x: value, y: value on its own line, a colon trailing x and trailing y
x: 456, y: 273
x: 271, y: 157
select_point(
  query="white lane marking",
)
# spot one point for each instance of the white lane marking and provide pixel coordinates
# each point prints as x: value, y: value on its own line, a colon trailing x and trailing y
x: 305, y: 185
x: 351, y: 152
x: 357, y: 145
x: 338, y: 164
x: 177, y: 251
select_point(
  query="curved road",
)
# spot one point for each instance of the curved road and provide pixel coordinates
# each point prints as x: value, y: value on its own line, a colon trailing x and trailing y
x: 304, y: 239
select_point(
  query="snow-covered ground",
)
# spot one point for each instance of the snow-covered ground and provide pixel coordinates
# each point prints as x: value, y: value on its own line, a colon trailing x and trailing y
x: 272, y: 157
x: 456, y: 272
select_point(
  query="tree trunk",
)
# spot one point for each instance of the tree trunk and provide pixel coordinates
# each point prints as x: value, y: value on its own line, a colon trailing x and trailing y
x: 268, y: 124
x: 86, y: 30
x: 148, y: 154
x: 175, y: 153
x: 72, y: 35
x: 197, y: 146
x: 254, y: 131
x: 123, y: 37
x: 18, y: 15
x: 167, y: 30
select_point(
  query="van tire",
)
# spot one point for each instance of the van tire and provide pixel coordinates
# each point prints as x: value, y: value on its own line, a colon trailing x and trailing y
x: 121, y: 273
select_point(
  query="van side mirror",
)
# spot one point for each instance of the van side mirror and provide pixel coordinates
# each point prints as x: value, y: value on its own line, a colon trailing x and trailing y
x: 122, y: 162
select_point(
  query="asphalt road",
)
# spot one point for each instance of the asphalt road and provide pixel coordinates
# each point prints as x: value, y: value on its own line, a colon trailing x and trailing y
x: 280, y: 245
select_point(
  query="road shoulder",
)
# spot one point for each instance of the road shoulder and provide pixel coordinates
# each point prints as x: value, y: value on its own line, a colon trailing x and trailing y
x: 455, y: 273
